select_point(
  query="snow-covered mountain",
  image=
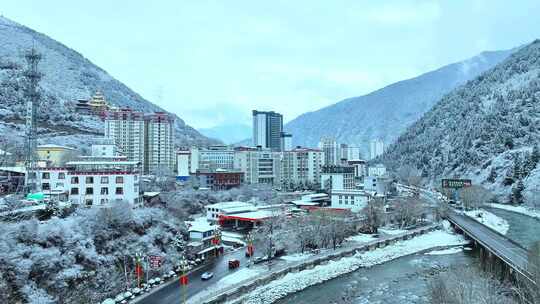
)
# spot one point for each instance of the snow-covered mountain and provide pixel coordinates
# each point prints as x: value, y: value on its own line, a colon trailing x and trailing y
x: 387, y: 112
x: 487, y: 130
x: 68, y: 76
x: 228, y: 133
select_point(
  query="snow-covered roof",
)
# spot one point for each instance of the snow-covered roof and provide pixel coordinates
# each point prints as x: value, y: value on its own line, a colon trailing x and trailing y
x: 100, y: 162
x: 200, y: 225
x: 2, y: 152
x: 150, y: 194
x: 254, y: 215
x: 305, y: 203
x: 53, y: 146
x: 233, y: 207
x: 16, y: 169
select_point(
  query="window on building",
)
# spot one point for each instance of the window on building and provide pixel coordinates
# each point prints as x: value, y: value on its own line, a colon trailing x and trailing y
x: 88, y: 202
x: 119, y: 179
x: 119, y: 190
x: 104, y: 179
x: 75, y: 180
x: 46, y: 175
x: 59, y: 185
x: 45, y: 186
x: 74, y: 191
x: 105, y: 191
x: 61, y: 175
x: 89, y: 190
x: 89, y: 179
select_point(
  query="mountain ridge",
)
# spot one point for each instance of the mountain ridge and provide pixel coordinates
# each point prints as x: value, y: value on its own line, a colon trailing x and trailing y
x: 485, y: 130
x: 386, y: 112
x: 67, y: 76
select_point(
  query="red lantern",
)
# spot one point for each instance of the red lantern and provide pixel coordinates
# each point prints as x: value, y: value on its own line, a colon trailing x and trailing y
x: 138, y: 270
x: 183, y: 280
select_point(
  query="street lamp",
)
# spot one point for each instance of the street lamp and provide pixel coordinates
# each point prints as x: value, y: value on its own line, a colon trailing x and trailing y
x: 184, y: 267
x: 249, y: 239
x: 217, y: 239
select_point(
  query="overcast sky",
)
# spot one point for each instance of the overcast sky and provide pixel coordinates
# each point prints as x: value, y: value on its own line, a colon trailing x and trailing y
x: 212, y: 62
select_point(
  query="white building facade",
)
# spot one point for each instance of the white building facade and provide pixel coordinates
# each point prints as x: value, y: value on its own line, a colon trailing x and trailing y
x: 354, y: 200
x: 376, y: 148
x: 337, y: 178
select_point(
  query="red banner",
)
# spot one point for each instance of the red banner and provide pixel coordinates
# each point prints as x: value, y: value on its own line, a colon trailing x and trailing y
x: 250, y: 250
x: 183, y: 280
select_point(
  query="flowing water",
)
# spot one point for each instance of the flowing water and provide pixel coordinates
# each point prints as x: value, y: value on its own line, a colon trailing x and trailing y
x: 404, y: 280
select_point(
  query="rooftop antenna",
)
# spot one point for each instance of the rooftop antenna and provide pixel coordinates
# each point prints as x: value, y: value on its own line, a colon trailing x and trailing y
x: 32, y: 76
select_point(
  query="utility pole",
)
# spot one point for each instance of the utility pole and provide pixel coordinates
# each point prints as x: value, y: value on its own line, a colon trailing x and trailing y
x: 32, y: 77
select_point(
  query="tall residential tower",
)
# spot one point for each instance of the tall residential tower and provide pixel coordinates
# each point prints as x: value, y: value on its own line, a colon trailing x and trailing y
x: 267, y: 130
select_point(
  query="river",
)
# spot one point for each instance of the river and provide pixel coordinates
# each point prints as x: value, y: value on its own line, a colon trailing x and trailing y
x: 404, y: 280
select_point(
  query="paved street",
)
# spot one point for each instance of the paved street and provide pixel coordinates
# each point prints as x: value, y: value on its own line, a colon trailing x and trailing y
x: 501, y: 245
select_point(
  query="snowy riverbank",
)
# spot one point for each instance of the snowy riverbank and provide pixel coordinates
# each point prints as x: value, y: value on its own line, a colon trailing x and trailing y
x: 489, y: 219
x: 294, y: 282
x: 518, y: 209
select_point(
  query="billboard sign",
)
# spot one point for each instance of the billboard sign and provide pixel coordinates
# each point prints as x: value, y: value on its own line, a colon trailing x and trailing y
x: 455, y: 183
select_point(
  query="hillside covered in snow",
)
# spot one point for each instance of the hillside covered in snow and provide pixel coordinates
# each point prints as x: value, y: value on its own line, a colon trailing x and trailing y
x: 487, y: 130
x: 67, y: 76
x: 387, y: 112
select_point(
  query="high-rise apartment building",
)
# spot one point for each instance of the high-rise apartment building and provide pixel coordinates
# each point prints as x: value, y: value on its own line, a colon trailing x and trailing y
x: 301, y: 168
x: 147, y: 139
x: 267, y: 130
x: 159, y: 145
x: 376, y: 148
x: 126, y: 128
x: 331, y: 151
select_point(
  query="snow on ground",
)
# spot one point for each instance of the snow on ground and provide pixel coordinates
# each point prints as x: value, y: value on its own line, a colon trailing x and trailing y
x: 392, y: 231
x: 296, y: 257
x: 446, y: 251
x: 518, y: 209
x: 362, y: 238
x: 294, y: 282
x: 489, y: 219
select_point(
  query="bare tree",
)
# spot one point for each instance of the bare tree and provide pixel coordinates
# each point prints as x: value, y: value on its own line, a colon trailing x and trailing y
x: 409, y: 175
x: 529, y: 292
x: 373, y: 214
x: 408, y: 211
x: 474, y: 197
x: 465, y: 286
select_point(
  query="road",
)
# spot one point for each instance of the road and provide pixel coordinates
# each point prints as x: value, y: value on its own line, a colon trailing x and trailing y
x: 172, y: 293
x: 500, y: 245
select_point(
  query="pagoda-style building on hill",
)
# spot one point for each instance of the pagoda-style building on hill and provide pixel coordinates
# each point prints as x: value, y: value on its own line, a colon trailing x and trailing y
x: 95, y: 106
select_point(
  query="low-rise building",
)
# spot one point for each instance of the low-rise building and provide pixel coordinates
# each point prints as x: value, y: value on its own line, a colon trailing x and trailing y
x: 378, y: 184
x: 94, y: 180
x: 337, y: 177
x: 211, y: 158
x: 213, y: 211
x: 183, y: 164
x: 202, y: 240
x: 377, y: 170
x: 355, y: 200
x: 55, y: 155
x: 360, y: 167
x: 219, y: 179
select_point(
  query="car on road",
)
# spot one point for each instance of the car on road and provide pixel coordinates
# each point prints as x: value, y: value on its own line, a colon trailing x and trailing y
x: 207, y: 275
x: 233, y: 264
x: 259, y: 259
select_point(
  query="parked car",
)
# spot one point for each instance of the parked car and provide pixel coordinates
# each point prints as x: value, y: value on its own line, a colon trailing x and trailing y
x: 207, y: 275
x: 233, y: 264
x: 259, y: 259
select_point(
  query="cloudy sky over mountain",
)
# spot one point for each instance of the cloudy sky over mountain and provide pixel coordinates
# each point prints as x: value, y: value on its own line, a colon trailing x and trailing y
x: 212, y: 62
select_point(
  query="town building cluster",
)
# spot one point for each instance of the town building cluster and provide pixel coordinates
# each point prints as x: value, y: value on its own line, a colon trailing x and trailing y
x: 137, y: 144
